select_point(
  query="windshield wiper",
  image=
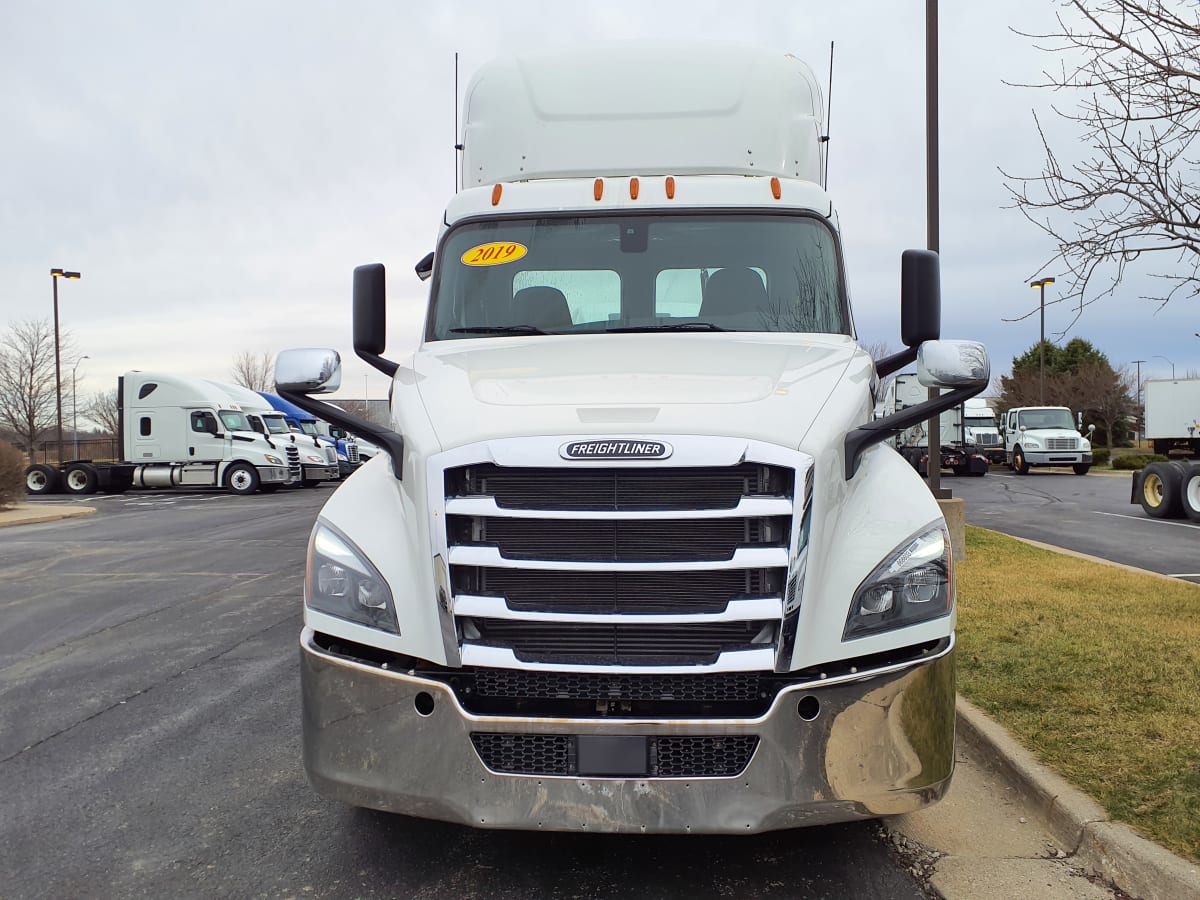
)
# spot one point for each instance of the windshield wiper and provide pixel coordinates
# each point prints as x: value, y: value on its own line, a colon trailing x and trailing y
x: 498, y: 329
x: 677, y: 326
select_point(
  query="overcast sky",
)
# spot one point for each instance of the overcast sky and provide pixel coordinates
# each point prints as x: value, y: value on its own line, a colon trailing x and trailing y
x: 216, y: 170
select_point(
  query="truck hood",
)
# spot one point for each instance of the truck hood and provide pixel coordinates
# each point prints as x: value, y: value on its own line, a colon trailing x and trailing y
x: 771, y: 387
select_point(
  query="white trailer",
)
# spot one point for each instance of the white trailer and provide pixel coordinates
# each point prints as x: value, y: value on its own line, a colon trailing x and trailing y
x: 957, y: 447
x: 636, y: 557
x: 175, y: 431
x: 1173, y: 415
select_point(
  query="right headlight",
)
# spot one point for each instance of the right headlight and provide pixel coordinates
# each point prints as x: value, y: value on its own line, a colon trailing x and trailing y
x: 914, y: 583
x: 339, y: 581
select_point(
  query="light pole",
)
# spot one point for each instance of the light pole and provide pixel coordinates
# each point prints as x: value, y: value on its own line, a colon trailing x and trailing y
x: 1040, y: 284
x: 1160, y: 356
x: 56, y: 274
x: 1138, y: 363
x: 74, y: 408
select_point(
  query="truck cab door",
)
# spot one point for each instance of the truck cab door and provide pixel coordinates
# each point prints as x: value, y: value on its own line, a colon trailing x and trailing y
x: 205, y: 440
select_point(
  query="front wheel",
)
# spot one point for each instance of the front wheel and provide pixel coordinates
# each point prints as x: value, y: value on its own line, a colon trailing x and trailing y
x: 241, y: 478
x: 40, y: 479
x: 1081, y: 468
x: 1019, y: 464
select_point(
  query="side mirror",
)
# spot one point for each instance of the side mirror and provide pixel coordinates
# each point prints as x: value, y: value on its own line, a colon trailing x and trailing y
x: 920, y: 297
x: 1091, y: 430
x: 425, y: 267
x: 370, y: 317
x: 953, y: 364
x: 310, y: 370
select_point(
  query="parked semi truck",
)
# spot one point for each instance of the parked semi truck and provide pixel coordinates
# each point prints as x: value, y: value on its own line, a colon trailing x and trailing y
x: 319, y: 462
x: 981, y: 430
x: 1173, y: 415
x: 637, y: 557
x: 957, y: 445
x: 175, y: 431
x: 343, y: 447
x: 1045, y: 436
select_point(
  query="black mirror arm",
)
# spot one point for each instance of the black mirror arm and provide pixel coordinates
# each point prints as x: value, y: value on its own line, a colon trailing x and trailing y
x: 895, y: 362
x: 386, y: 366
x: 881, y: 429
x: 385, y: 437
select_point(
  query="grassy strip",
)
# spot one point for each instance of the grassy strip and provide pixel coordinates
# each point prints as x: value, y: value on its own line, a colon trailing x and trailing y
x: 1096, y: 669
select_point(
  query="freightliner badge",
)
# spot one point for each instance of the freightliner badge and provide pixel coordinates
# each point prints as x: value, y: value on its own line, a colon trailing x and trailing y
x: 614, y: 448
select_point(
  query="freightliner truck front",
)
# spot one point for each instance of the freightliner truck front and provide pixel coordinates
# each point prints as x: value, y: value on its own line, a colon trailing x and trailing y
x: 636, y: 558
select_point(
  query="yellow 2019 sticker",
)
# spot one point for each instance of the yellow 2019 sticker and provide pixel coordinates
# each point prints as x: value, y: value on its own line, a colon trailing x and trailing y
x: 494, y: 254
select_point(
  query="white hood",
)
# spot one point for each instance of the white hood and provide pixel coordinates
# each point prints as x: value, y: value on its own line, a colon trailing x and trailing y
x: 768, y: 387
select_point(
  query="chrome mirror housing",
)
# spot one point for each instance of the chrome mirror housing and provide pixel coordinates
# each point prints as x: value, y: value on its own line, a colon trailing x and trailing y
x: 311, y: 370
x: 953, y: 364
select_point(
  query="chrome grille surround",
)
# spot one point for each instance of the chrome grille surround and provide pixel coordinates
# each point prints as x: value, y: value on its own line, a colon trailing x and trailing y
x: 532, y: 599
x: 293, y: 462
x: 1062, y: 443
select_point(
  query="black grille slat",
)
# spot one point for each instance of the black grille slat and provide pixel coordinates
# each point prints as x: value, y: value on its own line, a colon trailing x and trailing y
x: 614, y: 540
x: 718, y: 687
x: 537, y: 590
x: 699, y: 756
x: 691, y: 643
x: 620, y: 489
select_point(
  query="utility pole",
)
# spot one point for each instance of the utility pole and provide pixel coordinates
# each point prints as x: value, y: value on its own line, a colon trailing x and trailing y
x: 56, y: 274
x: 1138, y: 363
x: 934, y: 425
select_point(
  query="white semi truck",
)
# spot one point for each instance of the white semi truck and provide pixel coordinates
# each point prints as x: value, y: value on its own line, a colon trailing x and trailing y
x: 981, y: 430
x: 318, y: 462
x: 176, y: 431
x: 636, y: 557
x: 1045, y: 436
x: 957, y: 444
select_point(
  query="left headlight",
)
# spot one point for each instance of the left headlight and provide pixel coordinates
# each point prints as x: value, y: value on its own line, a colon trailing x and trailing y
x: 273, y: 460
x: 914, y: 583
x: 339, y: 581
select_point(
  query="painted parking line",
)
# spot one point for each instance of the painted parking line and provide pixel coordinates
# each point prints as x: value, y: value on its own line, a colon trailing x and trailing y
x: 1147, y: 519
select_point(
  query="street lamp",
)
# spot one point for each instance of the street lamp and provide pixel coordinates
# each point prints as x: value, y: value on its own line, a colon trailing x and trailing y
x: 1040, y: 284
x: 74, y: 408
x: 56, y: 274
x: 1160, y: 356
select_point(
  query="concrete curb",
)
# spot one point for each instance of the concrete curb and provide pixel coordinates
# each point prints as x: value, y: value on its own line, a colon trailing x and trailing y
x: 1108, y: 849
x: 33, y: 514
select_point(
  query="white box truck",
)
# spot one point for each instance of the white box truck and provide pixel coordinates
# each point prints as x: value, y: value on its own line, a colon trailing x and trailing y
x: 636, y: 558
x: 1173, y: 415
x: 175, y: 431
x: 1036, y: 436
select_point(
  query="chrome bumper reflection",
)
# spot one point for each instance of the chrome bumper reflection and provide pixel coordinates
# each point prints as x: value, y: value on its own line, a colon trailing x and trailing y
x: 882, y: 744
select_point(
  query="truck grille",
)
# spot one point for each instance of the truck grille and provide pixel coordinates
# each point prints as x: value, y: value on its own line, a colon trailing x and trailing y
x: 667, y: 757
x: 554, y: 566
x: 1062, y: 443
x: 293, y: 462
x: 352, y: 452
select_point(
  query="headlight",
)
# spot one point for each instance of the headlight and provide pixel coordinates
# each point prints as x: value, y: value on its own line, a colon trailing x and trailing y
x: 339, y: 581
x: 913, y: 584
x: 1085, y: 445
x: 273, y: 460
x: 1032, y: 443
x: 315, y: 459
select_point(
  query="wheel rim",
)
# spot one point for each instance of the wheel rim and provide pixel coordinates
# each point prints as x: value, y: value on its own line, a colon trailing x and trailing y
x: 36, y: 481
x: 1019, y: 459
x: 77, y: 479
x: 1191, y: 492
x: 240, y: 480
x: 1152, y: 490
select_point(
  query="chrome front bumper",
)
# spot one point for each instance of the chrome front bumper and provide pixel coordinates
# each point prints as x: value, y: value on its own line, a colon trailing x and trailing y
x: 881, y: 745
x: 272, y: 474
x: 321, y: 473
x: 1057, y: 457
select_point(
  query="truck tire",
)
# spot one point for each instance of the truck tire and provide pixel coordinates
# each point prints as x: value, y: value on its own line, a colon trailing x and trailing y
x: 241, y: 478
x: 1020, y: 466
x: 1081, y: 468
x: 1161, y: 490
x: 80, y: 478
x: 40, y: 479
x: 1189, y: 493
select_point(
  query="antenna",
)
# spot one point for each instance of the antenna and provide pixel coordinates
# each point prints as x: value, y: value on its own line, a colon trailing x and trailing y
x: 828, y: 115
x: 457, y: 146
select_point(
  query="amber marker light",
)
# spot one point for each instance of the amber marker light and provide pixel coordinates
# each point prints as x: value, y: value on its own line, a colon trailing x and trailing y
x: 633, y: 188
x: 496, y: 191
x: 670, y: 187
x: 776, y: 190
x: 598, y: 188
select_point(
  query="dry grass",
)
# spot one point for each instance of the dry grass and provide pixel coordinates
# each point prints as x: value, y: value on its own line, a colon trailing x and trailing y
x: 12, y: 475
x: 1094, y: 668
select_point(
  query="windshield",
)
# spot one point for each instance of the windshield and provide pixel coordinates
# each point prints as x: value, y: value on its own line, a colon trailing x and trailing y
x: 981, y: 422
x: 1045, y: 418
x: 277, y: 425
x: 234, y: 421
x: 309, y: 427
x: 703, y: 272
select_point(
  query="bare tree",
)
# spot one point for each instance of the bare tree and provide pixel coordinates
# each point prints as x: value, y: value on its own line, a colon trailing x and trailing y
x: 27, y: 398
x: 1135, y: 70
x: 254, y: 370
x: 102, y: 409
